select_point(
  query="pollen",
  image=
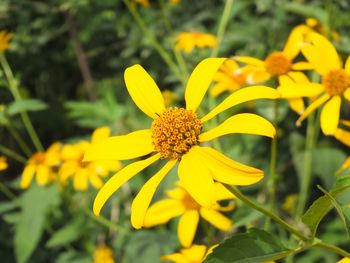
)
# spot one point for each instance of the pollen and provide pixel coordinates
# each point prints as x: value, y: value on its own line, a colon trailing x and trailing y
x: 336, y: 82
x: 277, y: 64
x: 175, y: 131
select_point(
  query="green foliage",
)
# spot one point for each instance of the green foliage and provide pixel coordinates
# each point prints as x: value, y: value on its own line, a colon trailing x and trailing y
x: 16, y: 107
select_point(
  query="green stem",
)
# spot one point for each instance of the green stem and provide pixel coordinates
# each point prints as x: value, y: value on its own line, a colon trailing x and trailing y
x: 154, y: 42
x: 8, y: 152
x: 17, y: 96
x: 334, y: 249
x: 307, y: 171
x: 222, y: 26
x: 266, y: 212
x: 7, y: 192
x: 18, y: 138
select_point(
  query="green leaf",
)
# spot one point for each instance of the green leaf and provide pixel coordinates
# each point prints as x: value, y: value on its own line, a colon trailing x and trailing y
x: 67, y: 234
x: 320, y: 208
x: 308, y: 11
x: 25, y: 105
x: 346, y: 212
x: 254, y: 246
x: 36, y: 203
x: 7, y: 206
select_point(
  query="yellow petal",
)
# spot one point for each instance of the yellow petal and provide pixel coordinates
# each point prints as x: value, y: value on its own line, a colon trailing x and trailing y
x: 298, y: 90
x: 144, y: 197
x: 144, y: 91
x: 227, y: 171
x: 292, y: 47
x: 343, y: 136
x: 199, y: 81
x: 247, y: 123
x: 347, y: 65
x: 347, y: 94
x: 297, y: 105
x: 80, y: 180
x: 313, y: 106
x: 330, y: 115
x: 27, y: 176
x: 216, y: 219
x: 119, y: 179
x: 42, y: 175
x: 132, y: 145
x: 95, y: 181
x: 250, y: 61
x: 162, y: 211
x: 298, y: 77
x: 100, y: 134
x: 258, y: 76
x: 187, y: 227
x: 196, y: 178
x: 240, y: 96
x: 176, y: 258
x: 221, y: 192
x: 302, y: 65
x: 195, y: 253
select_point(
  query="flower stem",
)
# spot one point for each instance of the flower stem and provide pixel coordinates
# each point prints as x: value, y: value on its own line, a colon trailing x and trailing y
x: 165, y: 56
x: 7, y: 192
x: 17, y: 96
x: 18, y: 138
x: 222, y: 26
x: 8, y: 152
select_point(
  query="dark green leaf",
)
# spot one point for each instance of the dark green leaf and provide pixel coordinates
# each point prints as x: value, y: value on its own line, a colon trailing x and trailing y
x: 25, y: 105
x: 254, y: 246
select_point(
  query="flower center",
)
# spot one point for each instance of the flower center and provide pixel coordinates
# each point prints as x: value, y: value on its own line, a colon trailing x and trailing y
x: 277, y: 63
x: 39, y: 157
x: 175, y: 131
x: 336, y: 82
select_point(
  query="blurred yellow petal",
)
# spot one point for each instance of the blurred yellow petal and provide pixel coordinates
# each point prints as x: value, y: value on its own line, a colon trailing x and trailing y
x: 258, y: 76
x: 144, y: 91
x: 119, y: 179
x: 100, y: 134
x: 302, y: 65
x: 95, y: 181
x: 221, y: 192
x: 176, y: 258
x: 216, y: 219
x: 162, y: 211
x: 250, y: 61
x: 27, y: 176
x: 298, y: 77
x: 246, y: 123
x: 227, y: 171
x: 124, y: 147
x: 80, y: 180
x: 297, y: 105
x: 330, y: 115
x: 144, y: 197
x: 313, y: 106
x: 292, y: 46
x: 199, y: 81
x: 196, y: 178
x: 343, y: 136
x: 240, y: 96
x: 187, y: 227
x: 347, y: 94
x: 195, y: 253
x: 347, y: 65
x: 42, y: 174
x: 298, y: 90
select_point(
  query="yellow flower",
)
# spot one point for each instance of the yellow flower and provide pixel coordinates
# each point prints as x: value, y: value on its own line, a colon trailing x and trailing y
x: 83, y: 173
x: 344, y: 260
x: 276, y: 64
x: 187, y: 41
x: 335, y: 83
x: 5, y: 38
x: 193, y: 254
x: 43, y: 165
x: 103, y: 254
x: 343, y: 135
x: 230, y: 77
x: 175, y: 135
x: 180, y: 203
x: 3, y: 163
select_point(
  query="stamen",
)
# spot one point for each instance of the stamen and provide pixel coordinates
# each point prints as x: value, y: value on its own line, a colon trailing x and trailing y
x: 336, y: 82
x: 277, y: 63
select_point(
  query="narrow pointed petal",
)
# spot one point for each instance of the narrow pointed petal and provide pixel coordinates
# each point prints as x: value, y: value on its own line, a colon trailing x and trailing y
x: 162, y: 211
x: 250, y: 61
x: 120, y: 178
x: 27, y: 176
x: 221, y: 192
x: 347, y: 94
x: 144, y: 197
x: 343, y: 136
x: 227, y: 171
x: 187, y: 227
x: 42, y: 174
x: 80, y: 180
x: 176, y: 258
x: 246, y: 123
x: 200, y: 80
x: 292, y: 47
x: 124, y: 147
x: 240, y: 96
x: 302, y: 65
x: 313, y: 106
x: 330, y: 115
x: 196, y: 178
x: 216, y: 219
x: 347, y: 65
x: 195, y: 253
x: 144, y: 91
x: 100, y: 134
x: 298, y: 90
x: 297, y: 105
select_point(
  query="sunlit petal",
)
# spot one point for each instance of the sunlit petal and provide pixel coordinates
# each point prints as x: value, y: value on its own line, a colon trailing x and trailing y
x: 347, y: 65
x: 187, y: 227
x: 292, y: 47
x: 199, y: 81
x: 297, y: 105
x: 144, y: 91
x: 144, y: 197
x: 313, y: 106
x: 27, y: 176
x: 240, y: 96
x: 119, y: 179
x: 100, y: 134
x: 330, y: 115
x: 250, y: 61
x: 246, y: 123
x: 124, y: 147
x: 297, y: 90
x: 216, y: 219
x: 343, y: 136
x: 347, y: 94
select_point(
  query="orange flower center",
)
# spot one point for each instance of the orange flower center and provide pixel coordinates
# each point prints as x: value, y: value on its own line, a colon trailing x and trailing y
x: 336, y: 82
x: 277, y: 63
x: 175, y: 131
x: 39, y: 157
